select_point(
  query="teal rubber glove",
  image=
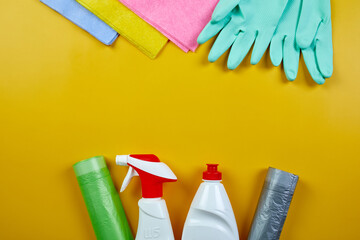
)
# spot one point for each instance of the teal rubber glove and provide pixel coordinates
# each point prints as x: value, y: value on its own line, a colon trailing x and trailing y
x: 314, y: 37
x: 283, y: 47
x: 250, y: 21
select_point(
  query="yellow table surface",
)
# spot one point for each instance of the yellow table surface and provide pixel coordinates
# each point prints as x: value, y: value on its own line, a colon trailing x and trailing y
x: 65, y: 97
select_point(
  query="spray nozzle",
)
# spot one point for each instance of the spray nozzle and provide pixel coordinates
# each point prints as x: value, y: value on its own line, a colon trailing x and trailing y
x: 122, y: 160
x: 151, y: 171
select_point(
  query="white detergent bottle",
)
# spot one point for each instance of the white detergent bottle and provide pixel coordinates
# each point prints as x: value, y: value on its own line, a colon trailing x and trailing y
x: 154, y: 220
x: 211, y: 216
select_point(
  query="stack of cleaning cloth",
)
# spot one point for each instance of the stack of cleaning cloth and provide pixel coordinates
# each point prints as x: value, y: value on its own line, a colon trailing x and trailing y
x: 145, y: 23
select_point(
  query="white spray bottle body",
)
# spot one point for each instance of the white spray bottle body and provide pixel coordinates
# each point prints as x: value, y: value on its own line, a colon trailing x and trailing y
x: 154, y: 220
x: 211, y: 216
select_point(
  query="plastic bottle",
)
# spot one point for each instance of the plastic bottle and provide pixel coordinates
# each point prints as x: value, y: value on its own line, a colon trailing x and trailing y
x: 154, y: 220
x: 211, y: 216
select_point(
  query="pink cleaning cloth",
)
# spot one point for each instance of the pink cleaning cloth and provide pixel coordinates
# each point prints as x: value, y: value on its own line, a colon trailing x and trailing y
x: 179, y: 20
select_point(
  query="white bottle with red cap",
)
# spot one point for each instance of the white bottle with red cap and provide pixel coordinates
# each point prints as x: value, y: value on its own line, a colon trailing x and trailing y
x: 211, y: 216
x: 154, y: 220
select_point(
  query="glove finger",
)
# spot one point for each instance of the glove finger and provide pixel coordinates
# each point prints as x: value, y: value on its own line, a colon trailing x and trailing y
x: 223, y: 8
x: 240, y: 49
x: 223, y: 42
x: 291, y: 58
x: 308, y: 25
x: 305, y: 34
x: 211, y: 29
x: 261, y: 44
x: 324, y: 50
x: 276, y: 49
x: 310, y: 61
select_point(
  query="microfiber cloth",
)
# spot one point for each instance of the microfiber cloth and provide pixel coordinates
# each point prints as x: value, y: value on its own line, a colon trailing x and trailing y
x: 179, y: 20
x: 79, y: 15
x: 128, y: 24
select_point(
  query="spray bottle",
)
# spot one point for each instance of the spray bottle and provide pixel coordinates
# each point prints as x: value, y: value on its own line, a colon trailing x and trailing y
x: 154, y: 220
x: 211, y: 216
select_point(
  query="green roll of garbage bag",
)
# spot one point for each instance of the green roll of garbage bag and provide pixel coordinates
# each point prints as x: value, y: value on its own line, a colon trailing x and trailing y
x: 102, y: 200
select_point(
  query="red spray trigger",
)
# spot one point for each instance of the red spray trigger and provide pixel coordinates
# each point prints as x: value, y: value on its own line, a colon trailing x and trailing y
x: 152, y: 185
x: 152, y: 173
x: 212, y: 173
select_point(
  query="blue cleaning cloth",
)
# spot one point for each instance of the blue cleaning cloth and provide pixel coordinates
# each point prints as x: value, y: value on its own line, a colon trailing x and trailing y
x: 82, y: 17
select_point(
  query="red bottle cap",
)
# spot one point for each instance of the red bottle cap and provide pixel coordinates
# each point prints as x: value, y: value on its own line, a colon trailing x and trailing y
x: 212, y: 173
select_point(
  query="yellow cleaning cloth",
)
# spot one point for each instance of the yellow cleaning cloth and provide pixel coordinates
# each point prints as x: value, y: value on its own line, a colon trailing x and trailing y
x: 128, y: 24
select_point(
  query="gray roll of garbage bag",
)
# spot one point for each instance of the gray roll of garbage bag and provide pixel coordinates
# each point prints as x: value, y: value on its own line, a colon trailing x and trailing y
x: 273, y: 205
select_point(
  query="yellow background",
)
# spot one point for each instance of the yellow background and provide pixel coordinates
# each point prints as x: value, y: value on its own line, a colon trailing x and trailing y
x: 65, y: 97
